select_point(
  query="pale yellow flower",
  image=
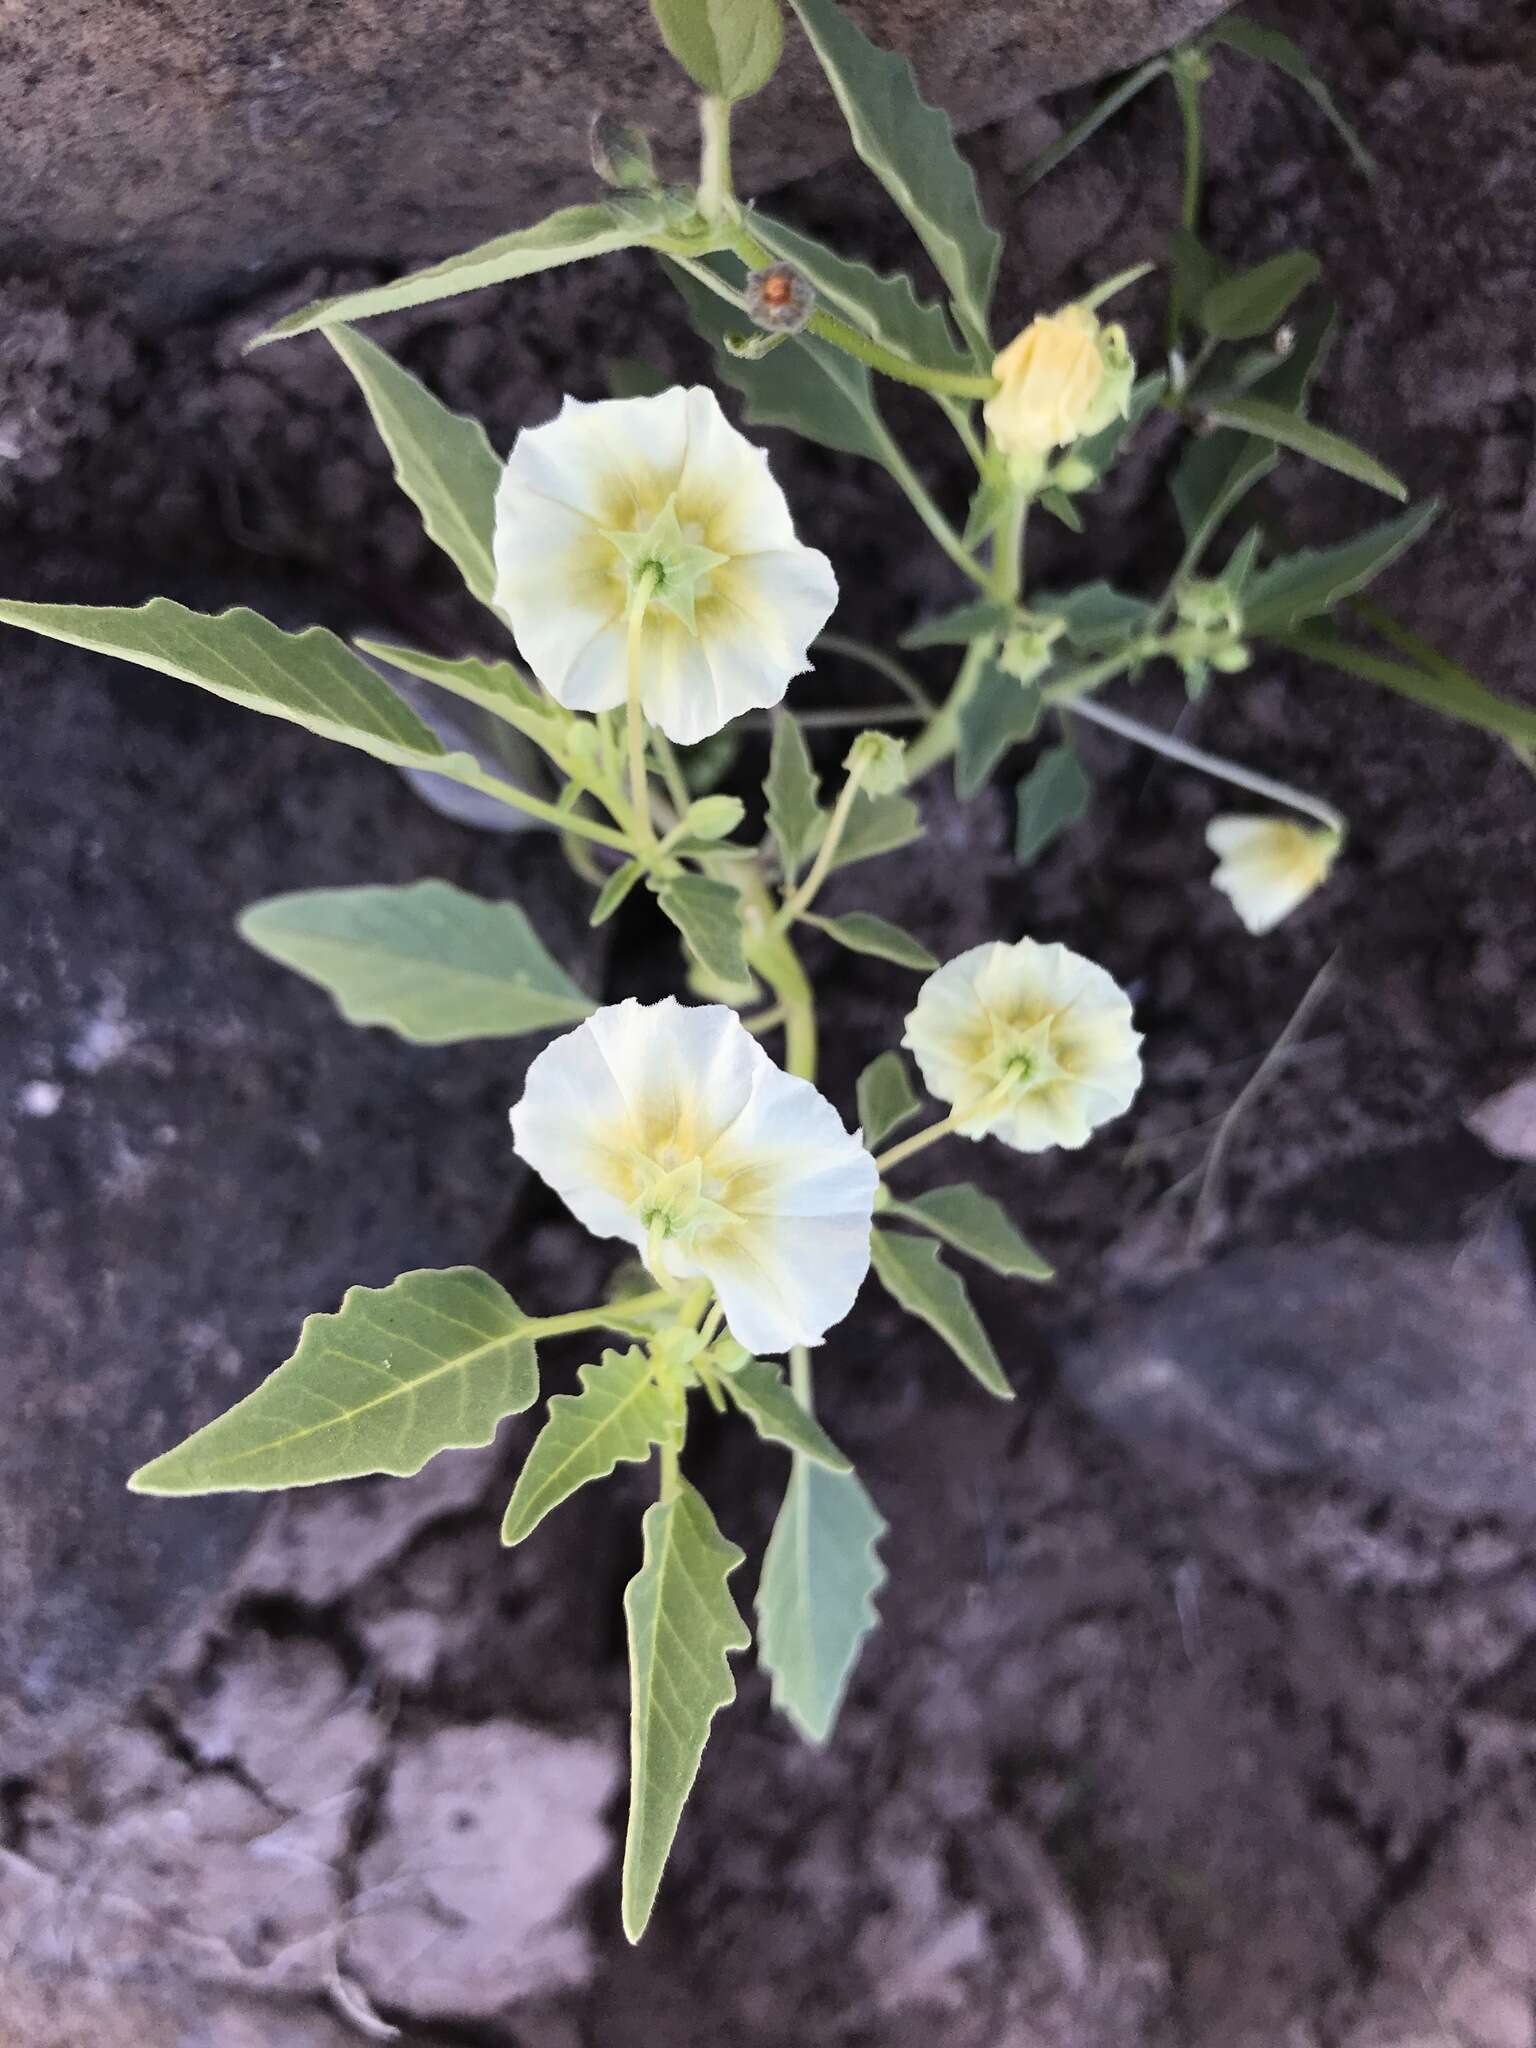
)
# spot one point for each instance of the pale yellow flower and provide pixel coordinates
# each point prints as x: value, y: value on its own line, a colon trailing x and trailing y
x: 1266, y: 866
x: 671, y: 1128
x: 1062, y: 377
x: 663, y: 486
x: 1031, y: 1044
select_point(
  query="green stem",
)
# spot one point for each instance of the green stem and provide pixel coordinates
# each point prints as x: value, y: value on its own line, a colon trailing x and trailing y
x: 800, y: 1376
x: 475, y: 777
x: 1077, y: 682
x: 923, y: 505
x: 882, y: 663
x: 670, y: 1476
x: 1005, y: 581
x: 803, y: 897
x: 771, y: 953
x: 715, y: 189
x: 671, y: 772
x: 639, y: 792
x: 613, y: 1315
x: 918, y: 1142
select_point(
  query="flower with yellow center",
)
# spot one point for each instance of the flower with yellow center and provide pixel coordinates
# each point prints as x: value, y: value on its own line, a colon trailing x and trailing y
x: 1062, y: 377
x: 670, y: 1127
x: 1266, y: 866
x: 1031, y: 1044
x: 659, y: 497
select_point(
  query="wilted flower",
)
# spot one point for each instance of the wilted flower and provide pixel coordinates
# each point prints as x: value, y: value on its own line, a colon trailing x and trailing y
x: 1062, y: 377
x: 1266, y: 866
x: 671, y: 1128
x: 1032, y: 1044
x: 662, y: 488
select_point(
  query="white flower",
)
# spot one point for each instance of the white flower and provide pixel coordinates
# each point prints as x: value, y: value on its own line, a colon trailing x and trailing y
x: 666, y: 484
x: 1032, y: 1044
x: 1266, y: 866
x: 671, y: 1128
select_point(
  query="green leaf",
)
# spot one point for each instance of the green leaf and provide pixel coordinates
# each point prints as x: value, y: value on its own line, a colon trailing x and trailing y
x: 426, y: 959
x: 1099, y: 618
x: 1445, y: 688
x: 816, y: 1596
x: 795, y: 818
x: 430, y: 1363
x: 708, y: 914
x: 1214, y: 474
x: 494, y: 686
x: 862, y: 932
x: 976, y: 1225
x: 958, y: 628
x: 757, y: 1387
x: 887, y: 307
x: 999, y: 712
x: 1254, y: 300
x: 729, y: 48
x: 887, y: 1099
x: 915, y: 1276
x: 1101, y: 450
x: 1305, y: 437
x: 443, y: 461
x: 310, y: 678
x: 634, y: 377
x: 1061, y: 507
x: 570, y: 236
x: 683, y: 1624
x: 806, y: 385
x: 1269, y: 46
x: 1238, y: 573
x: 1196, y: 269
x: 910, y: 147
x: 1304, y: 584
x: 1289, y: 383
x: 876, y: 825
x: 617, y: 1417
x: 1105, y: 110
x: 614, y: 891
x: 1052, y: 796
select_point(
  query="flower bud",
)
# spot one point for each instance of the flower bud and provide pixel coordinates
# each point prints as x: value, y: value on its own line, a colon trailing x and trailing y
x: 879, y: 761
x: 1049, y: 375
x: 621, y: 154
x: 714, y: 817
x: 1073, y: 475
x: 1266, y: 866
x: 1026, y: 653
x: 779, y: 299
x: 1113, y: 398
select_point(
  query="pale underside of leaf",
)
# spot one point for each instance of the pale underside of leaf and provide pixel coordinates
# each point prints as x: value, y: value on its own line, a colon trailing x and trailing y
x: 758, y: 1388
x: 915, y: 1276
x: 816, y: 1596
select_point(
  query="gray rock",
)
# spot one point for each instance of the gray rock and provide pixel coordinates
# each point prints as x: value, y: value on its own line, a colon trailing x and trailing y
x: 197, y: 146
x: 1409, y: 1370
x: 195, y: 1150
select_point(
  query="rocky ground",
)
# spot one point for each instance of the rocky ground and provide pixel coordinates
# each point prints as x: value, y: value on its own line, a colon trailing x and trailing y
x: 1204, y: 1707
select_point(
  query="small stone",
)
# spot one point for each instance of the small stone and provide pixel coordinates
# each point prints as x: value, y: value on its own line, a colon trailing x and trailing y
x: 1506, y: 1122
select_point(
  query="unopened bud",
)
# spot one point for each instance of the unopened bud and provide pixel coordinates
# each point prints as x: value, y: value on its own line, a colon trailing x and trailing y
x: 715, y: 817
x: 779, y: 299
x: 1073, y: 475
x: 621, y: 154
x: 1026, y: 653
x: 879, y: 761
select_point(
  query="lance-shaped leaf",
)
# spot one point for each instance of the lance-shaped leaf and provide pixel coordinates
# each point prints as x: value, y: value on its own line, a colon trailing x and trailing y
x: 967, y: 622
x: 910, y: 146
x: 1074, y: 137
x: 998, y: 713
x: 442, y: 460
x: 1269, y: 46
x: 876, y: 825
x: 310, y: 678
x: 1214, y: 473
x: 571, y: 235
x: 430, y: 1363
x: 887, y: 1099
x: 430, y: 961
x: 615, y: 891
x: 1052, y: 796
x: 683, y: 1624
x: 1442, y: 687
x: 1254, y: 300
x: 617, y: 1417
x: 795, y: 818
x: 758, y: 1388
x: 886, y: 307
x: 1304, y: 437
x: 1304, y: 584
x: 816, y: 1596
x: 494, y: 686
x: 729, y: 48
x: 976, y: 1225
x: 708, y: 914
x: 913, y: 1274
x: 862, y: 932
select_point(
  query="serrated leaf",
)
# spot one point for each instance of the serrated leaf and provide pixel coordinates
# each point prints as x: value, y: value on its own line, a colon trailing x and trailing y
x: 1254, y: 300
x: 912, y: 1272
x: 1105, y: 110
x: 976, y: 1225
x: 910, y: 146
x: 1312, y: 581
x: 617, y: 1418
x: 729, y: 48
x: 816, y: 1596
x: 886, y: 307
x: 430, y: 1363
x: 426, y: 959
x: 1446, y: 688
x: 862, y: 932
x: 614, y: 891
x: 1099, y: 618
x: 1052, y: 796
x: 569, y: 236
x: 795, y: 818
x: 998, y: 713
x: 683, y: 1624
x: 1269, y: 46
x: 958, y: 628
x: 758, y: 1388
x: 1304, y: 437
x: 708, y: 914
x: 310, y: 678
x: 887, y: 1099
x: 876, y: 825
x: 442, y: 460
x: 806, y: 385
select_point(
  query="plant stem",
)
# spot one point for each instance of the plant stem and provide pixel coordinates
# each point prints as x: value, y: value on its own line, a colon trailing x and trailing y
x: 918, y: 1142
x: 800, y: 1376
x: 671, y: 772
x: 826, y: 853
x: 882, y: 663
x: 639, y: 794
x: 765, y: 1020
x: 715, y: 189
x: 475, y: 777
x: 923, y: 505
x: 670, y: 1476
x: 1005, y: 581
x: 1211, y: 764
x: 613, y: 1315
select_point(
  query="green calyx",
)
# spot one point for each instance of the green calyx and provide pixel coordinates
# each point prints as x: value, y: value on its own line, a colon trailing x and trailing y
x: 673, y: 569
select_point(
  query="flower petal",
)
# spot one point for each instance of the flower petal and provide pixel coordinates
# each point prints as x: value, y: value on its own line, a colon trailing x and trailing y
x: 787, y: 1279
